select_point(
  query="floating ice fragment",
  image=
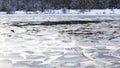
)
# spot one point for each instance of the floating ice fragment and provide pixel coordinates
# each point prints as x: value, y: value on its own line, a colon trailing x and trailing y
x: 53, y: 53
x: 116, y: 53
x: 72, y: 57
x: 6, y: 64
x: 70, y: 65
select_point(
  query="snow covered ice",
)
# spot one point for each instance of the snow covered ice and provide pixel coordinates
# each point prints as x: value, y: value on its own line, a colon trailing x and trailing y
x: 91, y: 45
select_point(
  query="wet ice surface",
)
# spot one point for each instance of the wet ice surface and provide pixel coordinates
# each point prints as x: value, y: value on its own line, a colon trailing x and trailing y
x: 92, y: 45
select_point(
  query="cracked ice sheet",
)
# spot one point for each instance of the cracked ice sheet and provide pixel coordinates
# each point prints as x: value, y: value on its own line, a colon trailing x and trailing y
x: 60, y: 46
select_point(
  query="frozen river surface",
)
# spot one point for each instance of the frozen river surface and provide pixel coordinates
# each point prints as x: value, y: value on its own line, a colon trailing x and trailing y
x: 92, y: 45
